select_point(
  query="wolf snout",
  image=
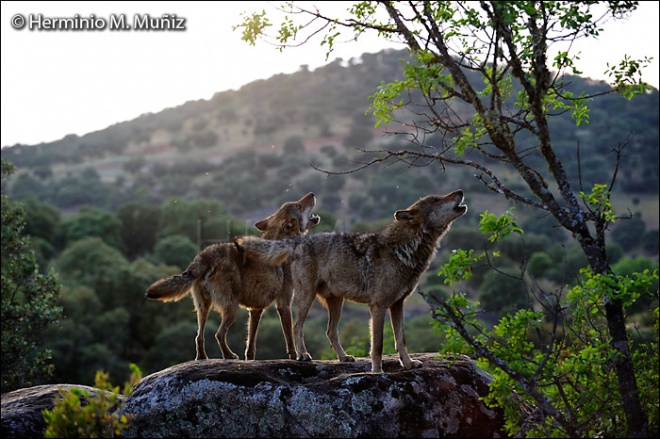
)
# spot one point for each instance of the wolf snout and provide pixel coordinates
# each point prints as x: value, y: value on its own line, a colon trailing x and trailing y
x: 459, y: 197
x: 311, y: 197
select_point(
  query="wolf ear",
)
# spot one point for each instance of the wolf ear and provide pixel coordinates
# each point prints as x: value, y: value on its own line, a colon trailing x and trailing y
x: 262, y: 225
x: 403, y: 215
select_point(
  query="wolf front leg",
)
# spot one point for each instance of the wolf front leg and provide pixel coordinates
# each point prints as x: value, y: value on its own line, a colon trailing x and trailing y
x: 283, y: 307
x: 396, y: 316
x: 303, y: 304
x: 376, y: 329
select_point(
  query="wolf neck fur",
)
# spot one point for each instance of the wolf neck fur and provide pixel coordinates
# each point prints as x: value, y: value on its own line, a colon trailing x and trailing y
x: 419, y: 242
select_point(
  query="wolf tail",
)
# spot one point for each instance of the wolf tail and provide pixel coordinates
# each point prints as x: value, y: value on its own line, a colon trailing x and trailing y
x: 171, y: 288
x: 266, y: 251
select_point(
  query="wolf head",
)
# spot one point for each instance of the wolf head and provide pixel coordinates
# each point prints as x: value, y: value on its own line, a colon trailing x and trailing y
x: 434, y: 211
x: 291, y: 219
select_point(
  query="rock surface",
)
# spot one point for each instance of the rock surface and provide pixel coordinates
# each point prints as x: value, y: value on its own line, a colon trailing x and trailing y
x: 22, y: 409
x: 288, y: 398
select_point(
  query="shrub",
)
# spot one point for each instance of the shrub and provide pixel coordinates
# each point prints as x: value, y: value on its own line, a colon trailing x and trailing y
x: 79, y: 414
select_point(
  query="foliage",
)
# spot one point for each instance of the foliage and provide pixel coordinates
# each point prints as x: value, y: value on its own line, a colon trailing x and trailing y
x: 92, y: 221
x: 504, y: 291
x: 294, y: 145
x: 498, y: 227
x: 81, y: 343
x: 175, y: 344
x: 506, y: 119
x: 138, y: 234
x: 41, y: 219
x: 28, y: 302
x: 79, y: 414
x: 651, y: 240
x: 175, y: 250
x: 182, y: 216
x: 558, y: 357
x: 358, y: 137
x: 92, y: 262
x: 599, y: 199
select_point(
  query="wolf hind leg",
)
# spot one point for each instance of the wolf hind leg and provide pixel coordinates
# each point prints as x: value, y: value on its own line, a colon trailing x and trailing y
x: 253, y: 327
x: 334, y: 306
x: 203, y: 307
x: 228, y: 317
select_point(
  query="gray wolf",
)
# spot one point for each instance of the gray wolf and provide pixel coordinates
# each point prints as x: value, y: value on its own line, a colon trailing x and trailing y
x: 221, y: 277
x: 378, y: 269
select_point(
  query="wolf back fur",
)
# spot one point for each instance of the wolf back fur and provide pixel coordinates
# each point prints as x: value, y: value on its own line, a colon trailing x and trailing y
x: 378, y: 269
x: 222, y: 277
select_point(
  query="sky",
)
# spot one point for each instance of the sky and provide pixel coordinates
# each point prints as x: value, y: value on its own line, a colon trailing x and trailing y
x: 57, y: 82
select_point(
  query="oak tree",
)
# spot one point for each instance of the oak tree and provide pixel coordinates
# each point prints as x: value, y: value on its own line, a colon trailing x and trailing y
x: 500, y: 123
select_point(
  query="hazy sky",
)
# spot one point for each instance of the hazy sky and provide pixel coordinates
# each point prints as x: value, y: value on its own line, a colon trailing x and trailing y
x: 56, y: 83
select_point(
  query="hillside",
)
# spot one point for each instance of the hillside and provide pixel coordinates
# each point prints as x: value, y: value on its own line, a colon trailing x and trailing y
x: 112, y: 211
x: 252, y: 148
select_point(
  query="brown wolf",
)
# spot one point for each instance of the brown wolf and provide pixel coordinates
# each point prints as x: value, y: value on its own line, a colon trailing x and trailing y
x: 222, y: 277
x: 378, y: 269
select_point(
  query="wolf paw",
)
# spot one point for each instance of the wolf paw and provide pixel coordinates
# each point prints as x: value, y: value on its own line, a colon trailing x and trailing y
x: 414, y: 364
x: 347, y: 359
x: 304, y: 357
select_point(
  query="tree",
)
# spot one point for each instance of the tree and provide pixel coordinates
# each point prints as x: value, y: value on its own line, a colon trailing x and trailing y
x: 102, y: 290
x: 651, y: 240
x: 28, y: 302
x: 182, y: 217
x: 93, y: 263
x: 294, y: 145
x: 138, y: 233
x: 503, y: 292
x: 630, y: 266
x: 481, y: 75
x: 358, y: 136
x: 42, y: 222
x: 92, y: 221
x: 176, y: 250
x: 135, y: 165
x: 41, y: 219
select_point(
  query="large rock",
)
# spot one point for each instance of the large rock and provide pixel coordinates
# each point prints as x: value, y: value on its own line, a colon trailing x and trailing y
x: 288, y: 398
x: 22, y: 409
